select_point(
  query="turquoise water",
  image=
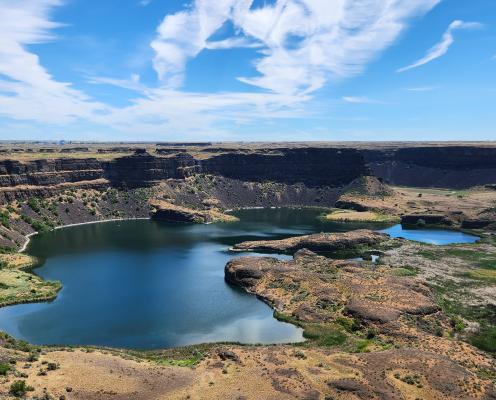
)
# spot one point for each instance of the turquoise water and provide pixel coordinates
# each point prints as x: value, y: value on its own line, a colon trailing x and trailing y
x: 144, y: 284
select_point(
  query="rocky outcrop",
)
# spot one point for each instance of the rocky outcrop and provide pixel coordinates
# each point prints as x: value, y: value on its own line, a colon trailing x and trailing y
x: 313, y: 288
x: 164, y: 211
x: 479, y: 223
x: 321, y: 242
x: 394, y: 374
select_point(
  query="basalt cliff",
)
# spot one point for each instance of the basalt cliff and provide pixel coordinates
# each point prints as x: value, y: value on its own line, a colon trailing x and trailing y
x: 428, y: 165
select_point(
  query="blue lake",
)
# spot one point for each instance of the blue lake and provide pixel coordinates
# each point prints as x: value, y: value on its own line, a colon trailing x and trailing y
x: 431, y: 236
x: 144, y: 284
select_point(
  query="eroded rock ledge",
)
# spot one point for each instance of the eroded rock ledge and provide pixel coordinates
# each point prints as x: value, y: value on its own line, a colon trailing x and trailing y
x: 164, y: 211
x: 321, y: 242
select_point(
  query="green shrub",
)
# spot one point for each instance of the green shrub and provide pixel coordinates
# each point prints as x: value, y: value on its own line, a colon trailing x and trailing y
x: 5, y: 219
x: 405, y: 271
x: 457, y: 323
x: 324, y: 335
x: 4, y: 368
x: 485, y: 339
x: 34, y: 204
x: 19, y: 389
x: 27, y: 219
x: 40, y: 226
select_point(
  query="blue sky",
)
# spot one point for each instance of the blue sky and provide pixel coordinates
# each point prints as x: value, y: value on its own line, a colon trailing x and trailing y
x: 248, y: 70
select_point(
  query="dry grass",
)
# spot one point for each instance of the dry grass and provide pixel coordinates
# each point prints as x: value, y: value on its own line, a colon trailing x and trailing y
x: 359, y: 216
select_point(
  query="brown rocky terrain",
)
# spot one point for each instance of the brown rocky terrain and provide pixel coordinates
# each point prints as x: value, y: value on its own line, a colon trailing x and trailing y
x: 281, y: 372
x: 393, y: 310
x: 321, y: 242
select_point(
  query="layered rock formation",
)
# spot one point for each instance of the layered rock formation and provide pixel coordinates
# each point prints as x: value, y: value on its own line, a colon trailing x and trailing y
x: 49, y: 172
x: 320, y: 242
x: 311, y: 166
x: 320, y: 166
x: 434, y: 166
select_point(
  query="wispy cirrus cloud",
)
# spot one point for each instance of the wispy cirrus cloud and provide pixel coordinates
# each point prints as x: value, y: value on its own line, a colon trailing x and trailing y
x: 133, y: 83
x: 304, y: 42
x: 299, y: 46
x: 441, y: 48
x: 27, y: 90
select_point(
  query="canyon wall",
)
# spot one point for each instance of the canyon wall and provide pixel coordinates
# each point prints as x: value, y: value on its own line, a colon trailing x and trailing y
x: 453, y: 167
x: 311, y: 166
x: 48, y: 172
x: 141, y: 170
x: 334, y: 167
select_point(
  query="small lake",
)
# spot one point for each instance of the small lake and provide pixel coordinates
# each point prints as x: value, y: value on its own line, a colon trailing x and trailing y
x: 145, y: 284
x: 431, y: 236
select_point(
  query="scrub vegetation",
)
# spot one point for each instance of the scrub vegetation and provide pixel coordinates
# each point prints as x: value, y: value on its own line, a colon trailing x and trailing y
x: 19, y: 285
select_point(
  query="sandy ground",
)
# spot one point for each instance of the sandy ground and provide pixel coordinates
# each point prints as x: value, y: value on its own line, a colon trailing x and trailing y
x: 277, y: 372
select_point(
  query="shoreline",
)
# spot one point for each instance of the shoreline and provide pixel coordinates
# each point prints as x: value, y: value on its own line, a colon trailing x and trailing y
x: 28, y: 236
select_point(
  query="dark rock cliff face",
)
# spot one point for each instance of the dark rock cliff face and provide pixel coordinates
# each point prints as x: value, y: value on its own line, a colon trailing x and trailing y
x: 49, y: 172
x: 311, y: 166
x: 423, y: 166
x: 145, y: 170
x: 436, y: 166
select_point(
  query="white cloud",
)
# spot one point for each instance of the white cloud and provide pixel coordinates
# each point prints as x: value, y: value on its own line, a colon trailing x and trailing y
x: 443, y: 46
x: 305, y: 42
x: 27, y: 90
x: 183, y: 35
x: 361, y: 100
x: 231, y: 43
x: 133, y: 83
x: 300, y: 45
